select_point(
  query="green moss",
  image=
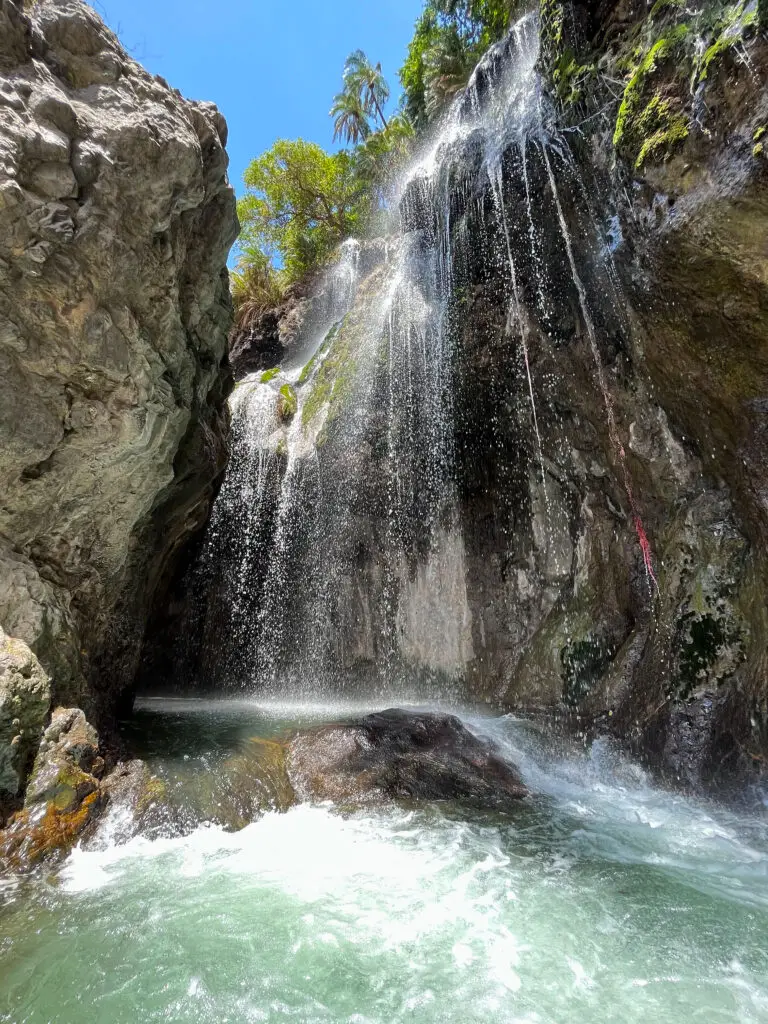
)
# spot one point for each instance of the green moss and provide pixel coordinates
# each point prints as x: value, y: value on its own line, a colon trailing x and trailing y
x: 552, y: 21
x: 334, y: 375
x: 287, y: 403
x: 664, y: 5
x: 72, y: 783
x: 269, y: 375
x: 281, y: 449
x: 729, y: 31
x: 650, y: 128
x: 309, y: 369
x: 154, y: 792
x: 570, y: 78
x: 758, y: 149
x: 660, y: 128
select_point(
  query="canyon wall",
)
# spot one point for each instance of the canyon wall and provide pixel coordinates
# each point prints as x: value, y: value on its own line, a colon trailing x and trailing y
x: 116, y: 218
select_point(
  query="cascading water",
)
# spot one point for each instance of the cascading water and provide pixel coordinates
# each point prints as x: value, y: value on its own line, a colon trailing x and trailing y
x: 605, y: 900
x: 336, y: 555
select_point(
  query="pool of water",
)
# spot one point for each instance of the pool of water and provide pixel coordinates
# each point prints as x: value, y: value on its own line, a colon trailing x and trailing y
x: 604, y: 899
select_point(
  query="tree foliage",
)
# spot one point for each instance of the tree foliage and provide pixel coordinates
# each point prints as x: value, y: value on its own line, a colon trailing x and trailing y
x: 449, y: 39
x: 301, y: 202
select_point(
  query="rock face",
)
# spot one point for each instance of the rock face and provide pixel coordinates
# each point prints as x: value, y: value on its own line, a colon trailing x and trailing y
x: 25, y: 697
x: 401, y: 755
x: 266, y: 340
x: 115, y: 222
x: 68, y: 793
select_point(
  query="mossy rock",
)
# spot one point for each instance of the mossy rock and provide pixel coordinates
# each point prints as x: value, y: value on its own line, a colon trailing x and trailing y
x: 269, y: 375
x: 649, y: 124
x: 254, y: 782
x: 35, y: 835
x: 287, y: 403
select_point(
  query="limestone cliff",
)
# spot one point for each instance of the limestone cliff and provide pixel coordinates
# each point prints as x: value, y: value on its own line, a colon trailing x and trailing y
x: 116, y: 218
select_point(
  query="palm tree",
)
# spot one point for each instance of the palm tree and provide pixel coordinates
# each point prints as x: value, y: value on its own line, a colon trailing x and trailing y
x: 367, y: 83
x: 350, y: 118
x: 448, y: 64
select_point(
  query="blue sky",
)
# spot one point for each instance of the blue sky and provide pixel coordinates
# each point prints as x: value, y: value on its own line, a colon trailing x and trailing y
x: 271, y: 66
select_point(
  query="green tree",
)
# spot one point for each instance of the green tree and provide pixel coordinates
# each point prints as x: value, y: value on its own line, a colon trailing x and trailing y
x: 350, y: 118
x: 301, y: 202
x: 384, y: 153
x: 368, y: 83
x: 363, y: 97
x: 448, y: 41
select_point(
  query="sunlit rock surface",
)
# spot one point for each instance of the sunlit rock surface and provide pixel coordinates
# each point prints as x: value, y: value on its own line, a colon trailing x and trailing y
x: 115, y: 222
x: 25, y: 697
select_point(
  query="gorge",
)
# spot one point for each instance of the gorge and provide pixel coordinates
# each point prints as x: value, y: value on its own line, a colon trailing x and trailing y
x: 499, y: 464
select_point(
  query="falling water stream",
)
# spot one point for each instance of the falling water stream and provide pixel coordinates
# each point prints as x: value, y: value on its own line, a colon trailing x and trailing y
x: 602, y: 899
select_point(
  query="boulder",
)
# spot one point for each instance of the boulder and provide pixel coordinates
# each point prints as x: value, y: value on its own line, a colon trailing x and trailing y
x: 137, y: 803
x: 67, y: 796
x: 401, y: 755
x: 68, y: 764
x: 25, y: 696
x: 63, y: 797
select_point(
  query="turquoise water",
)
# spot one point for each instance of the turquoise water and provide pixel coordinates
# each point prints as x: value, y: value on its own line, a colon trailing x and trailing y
x: 604, y: 900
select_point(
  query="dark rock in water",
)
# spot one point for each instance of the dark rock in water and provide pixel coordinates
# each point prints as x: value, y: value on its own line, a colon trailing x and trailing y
x: 63, y: 797
x: 137, y: 803
x: 399, y: 754
x: 253, y: 782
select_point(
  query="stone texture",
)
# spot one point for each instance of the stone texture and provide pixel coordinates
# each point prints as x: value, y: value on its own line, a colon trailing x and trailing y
x: 25, y: 696
x: 69, y: 798
x: 115, y: 222
x: 63, y: 797
x: 403, y: 755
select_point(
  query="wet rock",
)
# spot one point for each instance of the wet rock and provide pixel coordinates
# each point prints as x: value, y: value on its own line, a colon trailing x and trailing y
x: 63, y: 797
x: 68, y: 764
x: 264, y: 340
x: 251, y: 783
x: 138, y: 803
x: 69, y: 799
x: 25, y: 696
x: 403, y: 755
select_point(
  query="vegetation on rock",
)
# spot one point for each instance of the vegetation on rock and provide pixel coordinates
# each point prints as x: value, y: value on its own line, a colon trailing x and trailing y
x: 449, y: 40
x: 287, y: 403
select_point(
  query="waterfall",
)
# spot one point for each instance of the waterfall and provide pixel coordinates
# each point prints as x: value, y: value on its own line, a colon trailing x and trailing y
x: 336, y: 555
